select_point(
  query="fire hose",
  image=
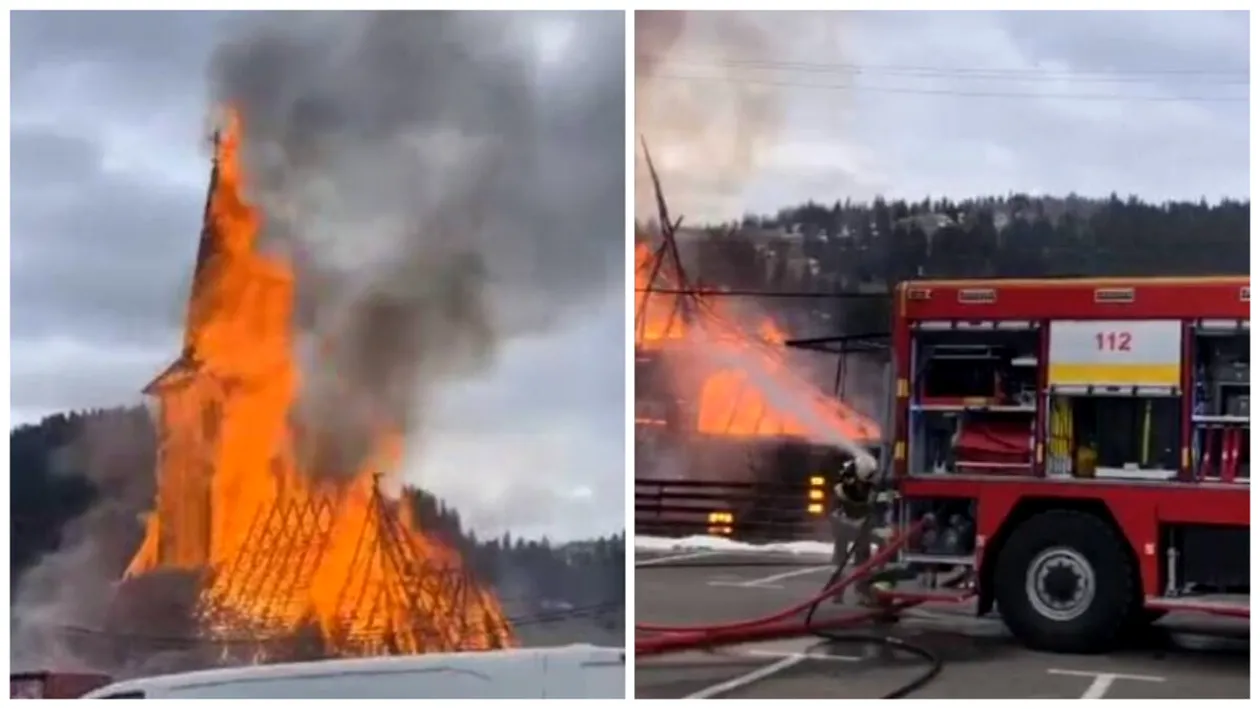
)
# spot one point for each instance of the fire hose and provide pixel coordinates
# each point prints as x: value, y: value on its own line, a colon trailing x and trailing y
x: 784, y: 624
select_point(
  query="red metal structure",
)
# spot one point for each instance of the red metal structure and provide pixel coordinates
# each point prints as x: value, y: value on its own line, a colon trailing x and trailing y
x: 54, y: 685
x: 1081, y: 443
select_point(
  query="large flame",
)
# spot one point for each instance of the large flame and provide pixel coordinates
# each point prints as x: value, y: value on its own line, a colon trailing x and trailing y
x: 749, y: 389
x: 284, y: 551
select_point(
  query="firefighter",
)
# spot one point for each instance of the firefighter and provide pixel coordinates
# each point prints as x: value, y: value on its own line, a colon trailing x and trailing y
x: 853, y: 523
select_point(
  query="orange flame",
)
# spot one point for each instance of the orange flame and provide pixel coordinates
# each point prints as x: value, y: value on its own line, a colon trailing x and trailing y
x: 284, y: 550
x: 731, y: 401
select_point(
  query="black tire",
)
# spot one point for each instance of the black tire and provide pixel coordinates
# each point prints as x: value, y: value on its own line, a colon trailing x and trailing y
x: 1098, y: 624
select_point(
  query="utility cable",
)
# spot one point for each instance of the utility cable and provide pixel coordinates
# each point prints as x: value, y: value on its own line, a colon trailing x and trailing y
x: 951, y: 92
x: 539, y: 618
x: 707, y: 293
x: 1208, y: 76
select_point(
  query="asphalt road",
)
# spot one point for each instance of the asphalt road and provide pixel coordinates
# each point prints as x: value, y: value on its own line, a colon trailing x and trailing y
x: 1196, y: 657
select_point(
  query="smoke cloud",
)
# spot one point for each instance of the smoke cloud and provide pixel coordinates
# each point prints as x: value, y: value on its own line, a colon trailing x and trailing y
x: 442, y: 183
x: 711, y: 105
x: 706, y: 112
x: 69, y: 611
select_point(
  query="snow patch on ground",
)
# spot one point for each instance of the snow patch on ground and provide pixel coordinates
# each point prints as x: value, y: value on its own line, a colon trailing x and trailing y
x: 722, y: 544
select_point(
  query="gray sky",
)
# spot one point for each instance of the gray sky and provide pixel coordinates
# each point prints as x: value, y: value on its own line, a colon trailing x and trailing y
x: 109, y: 115
x: 907, y: 130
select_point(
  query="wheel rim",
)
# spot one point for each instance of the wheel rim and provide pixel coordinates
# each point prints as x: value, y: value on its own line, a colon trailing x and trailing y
x: 1060, y: 583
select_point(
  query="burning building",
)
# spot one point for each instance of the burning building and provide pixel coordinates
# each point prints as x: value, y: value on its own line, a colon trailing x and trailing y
x: 711, y: 379
x: 281, y: 551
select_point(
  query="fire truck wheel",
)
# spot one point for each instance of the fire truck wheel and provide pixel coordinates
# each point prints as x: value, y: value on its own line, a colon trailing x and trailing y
x: 1064, y: 583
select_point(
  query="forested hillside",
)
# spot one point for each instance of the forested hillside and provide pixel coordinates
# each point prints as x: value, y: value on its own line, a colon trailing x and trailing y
x: 859, y: 248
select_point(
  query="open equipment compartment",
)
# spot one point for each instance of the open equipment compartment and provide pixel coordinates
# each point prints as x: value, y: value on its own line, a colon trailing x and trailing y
x: 973, y: 397
x: 1099, y: 435
x: 1221, y: 405
x: 972, y: 411
x: 1114, y: 398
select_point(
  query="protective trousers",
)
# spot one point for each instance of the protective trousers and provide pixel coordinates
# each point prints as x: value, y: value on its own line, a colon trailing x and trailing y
x: 850, y: 530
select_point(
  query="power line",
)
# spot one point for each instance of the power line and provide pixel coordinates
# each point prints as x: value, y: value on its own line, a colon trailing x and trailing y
x: 703, y: 293
x: 952, y: 92
x: 540, y: 618
x: 1227, y: 77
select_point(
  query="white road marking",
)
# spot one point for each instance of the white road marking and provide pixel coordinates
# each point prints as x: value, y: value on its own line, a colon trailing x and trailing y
x: 1102, y: 680
x: 778, y: 648
x: 768, y: 581
x: 928, y: 616
x: 677, y: 557
x: 741, y: 652
x: 787, y: 660
x: 744, y: 680
x: 808, y: 655
x: 743, y: 584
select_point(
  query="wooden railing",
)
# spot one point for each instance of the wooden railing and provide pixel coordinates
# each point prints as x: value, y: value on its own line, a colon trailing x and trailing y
x: 744, y: 511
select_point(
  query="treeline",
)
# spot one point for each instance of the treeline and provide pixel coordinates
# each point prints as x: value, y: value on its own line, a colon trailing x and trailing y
x: 53, y: 483
x: 864, y: 248
x: 70, y: 463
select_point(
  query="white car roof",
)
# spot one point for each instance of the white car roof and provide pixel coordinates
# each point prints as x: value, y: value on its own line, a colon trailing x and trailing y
x: 458, y: 662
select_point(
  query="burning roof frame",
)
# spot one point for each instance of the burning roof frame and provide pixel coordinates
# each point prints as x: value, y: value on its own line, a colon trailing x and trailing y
x: 689, y: 298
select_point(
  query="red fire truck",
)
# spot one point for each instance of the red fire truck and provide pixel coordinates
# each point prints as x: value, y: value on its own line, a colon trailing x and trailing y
x: 1081, y: 444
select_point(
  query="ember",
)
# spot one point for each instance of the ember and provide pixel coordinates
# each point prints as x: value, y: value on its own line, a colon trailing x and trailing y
x: 284, y: 551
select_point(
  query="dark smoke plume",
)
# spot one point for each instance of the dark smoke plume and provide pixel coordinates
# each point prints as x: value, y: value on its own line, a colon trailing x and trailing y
x: 440, y: 187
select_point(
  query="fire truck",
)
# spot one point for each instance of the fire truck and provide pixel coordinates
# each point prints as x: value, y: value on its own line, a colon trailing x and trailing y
x: 1081, y: 445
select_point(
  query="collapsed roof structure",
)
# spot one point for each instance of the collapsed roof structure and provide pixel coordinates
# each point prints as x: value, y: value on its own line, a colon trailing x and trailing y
x: 746, y: 387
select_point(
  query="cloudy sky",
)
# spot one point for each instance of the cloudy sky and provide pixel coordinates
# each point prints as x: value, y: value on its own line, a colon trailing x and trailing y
x: 109, y: 118
x: 949, y: 104
x: 109, y: 113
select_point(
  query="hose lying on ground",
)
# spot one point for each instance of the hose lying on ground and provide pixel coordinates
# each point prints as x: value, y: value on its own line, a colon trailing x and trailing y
x: 782, y: 624
x: 724, y: 564
x: 934, y: 662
